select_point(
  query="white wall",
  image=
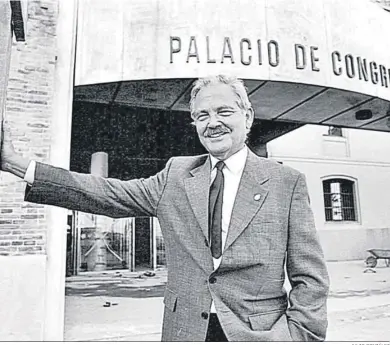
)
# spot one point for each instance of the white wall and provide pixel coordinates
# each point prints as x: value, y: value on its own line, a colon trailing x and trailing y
x: 22, y: 294
x: 364, y: 158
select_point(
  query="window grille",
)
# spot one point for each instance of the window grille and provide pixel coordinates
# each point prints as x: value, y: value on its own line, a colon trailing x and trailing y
x: 339, y: 199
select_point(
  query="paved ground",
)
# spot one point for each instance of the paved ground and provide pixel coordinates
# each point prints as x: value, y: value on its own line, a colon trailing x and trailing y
x: 128, y: 306
x: 117, y: 284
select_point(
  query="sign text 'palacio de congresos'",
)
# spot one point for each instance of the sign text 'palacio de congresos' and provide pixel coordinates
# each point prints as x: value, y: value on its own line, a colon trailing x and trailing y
x: 248, y: 52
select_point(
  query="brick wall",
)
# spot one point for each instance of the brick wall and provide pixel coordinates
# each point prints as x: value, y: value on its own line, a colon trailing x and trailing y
x: 28, y: 110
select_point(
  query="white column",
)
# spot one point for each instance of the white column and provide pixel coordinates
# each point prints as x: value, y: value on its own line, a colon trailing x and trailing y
x: 60, y: 156
x: 153, y: 251
x: 97, y: 260
x: 5, y: 53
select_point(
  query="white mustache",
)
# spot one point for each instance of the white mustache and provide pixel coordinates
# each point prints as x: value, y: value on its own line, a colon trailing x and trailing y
x: 213, y: 131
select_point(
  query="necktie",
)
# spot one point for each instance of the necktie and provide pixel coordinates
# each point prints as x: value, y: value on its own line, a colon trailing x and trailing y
x: 215, y: 212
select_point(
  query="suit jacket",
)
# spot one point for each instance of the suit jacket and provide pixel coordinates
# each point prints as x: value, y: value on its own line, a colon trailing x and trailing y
x: 271, y: 228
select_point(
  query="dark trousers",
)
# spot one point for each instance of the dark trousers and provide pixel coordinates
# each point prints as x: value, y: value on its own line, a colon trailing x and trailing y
x: 215, y: 331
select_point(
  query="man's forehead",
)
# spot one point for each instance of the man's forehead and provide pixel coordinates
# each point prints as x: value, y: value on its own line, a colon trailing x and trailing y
x: 216, y: 95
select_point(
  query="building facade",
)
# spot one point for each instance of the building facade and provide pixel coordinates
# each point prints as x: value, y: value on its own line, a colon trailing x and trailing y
x: 64, y: 98
x: 347, y: 172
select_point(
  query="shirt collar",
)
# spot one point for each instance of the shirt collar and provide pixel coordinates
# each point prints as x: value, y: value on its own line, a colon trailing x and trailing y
x: 235, y: 163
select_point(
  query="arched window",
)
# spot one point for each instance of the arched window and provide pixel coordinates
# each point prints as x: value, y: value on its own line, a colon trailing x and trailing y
x: 339, y: 199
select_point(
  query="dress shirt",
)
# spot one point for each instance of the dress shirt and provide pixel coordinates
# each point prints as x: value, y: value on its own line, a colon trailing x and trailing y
x: 232, y: 173
x: 30, y: 172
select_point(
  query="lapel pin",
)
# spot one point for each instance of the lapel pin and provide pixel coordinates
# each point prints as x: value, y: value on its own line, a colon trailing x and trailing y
x: 257, y: 197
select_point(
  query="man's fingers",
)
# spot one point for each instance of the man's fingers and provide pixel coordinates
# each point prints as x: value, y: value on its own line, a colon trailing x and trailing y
x: 6, y: 127
x: 7, y: 133
x: 6, y: 130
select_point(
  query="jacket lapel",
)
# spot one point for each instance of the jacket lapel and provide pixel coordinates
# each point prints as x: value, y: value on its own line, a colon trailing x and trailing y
x: 251, y: 194
x: 197, y: 187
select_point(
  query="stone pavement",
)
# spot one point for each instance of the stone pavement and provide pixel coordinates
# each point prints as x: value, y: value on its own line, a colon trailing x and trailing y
x: 127, y: 306
x: 348, y: 278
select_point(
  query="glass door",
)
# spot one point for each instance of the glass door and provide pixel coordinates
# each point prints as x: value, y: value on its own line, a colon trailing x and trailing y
x: 101, y: 243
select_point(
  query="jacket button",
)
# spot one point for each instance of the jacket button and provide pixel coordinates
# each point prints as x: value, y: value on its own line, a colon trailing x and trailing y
x: 213, y: 280
x: 204, y: 315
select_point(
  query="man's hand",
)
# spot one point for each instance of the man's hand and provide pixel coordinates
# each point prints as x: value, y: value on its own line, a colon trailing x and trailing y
x: 7, y: 148
x: 11, y: 161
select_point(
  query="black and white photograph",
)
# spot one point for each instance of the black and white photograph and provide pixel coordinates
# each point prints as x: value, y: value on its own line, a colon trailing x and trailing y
x: 195, y: 171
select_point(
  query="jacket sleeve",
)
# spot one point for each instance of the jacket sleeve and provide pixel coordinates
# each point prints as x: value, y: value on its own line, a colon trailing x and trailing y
x: 92, y: 194
x: 306, y: 269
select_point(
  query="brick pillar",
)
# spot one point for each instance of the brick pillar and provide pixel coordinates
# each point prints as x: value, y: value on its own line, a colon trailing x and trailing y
x: 33, y: 237
x: 29, y: 112
x: 23, y: 226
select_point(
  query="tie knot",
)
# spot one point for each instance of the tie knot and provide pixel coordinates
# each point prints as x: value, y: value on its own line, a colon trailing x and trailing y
x: 220, y: 165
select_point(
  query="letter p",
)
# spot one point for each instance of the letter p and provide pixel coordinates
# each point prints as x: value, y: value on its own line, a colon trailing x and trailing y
x: 177, y: 49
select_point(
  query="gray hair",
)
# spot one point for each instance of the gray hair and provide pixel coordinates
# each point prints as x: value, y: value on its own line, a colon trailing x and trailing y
x: 236, y: 84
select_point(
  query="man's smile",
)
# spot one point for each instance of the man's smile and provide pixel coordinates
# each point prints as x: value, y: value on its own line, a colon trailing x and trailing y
x: 213, y: 134
x: 216, y: 135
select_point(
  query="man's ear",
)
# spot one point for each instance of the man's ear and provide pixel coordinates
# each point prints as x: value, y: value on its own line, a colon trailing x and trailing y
x: 250, y: 115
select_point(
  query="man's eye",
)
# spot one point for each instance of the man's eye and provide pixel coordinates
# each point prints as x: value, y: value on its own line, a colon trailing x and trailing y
x: 225, y: 113
x: 202, y: 117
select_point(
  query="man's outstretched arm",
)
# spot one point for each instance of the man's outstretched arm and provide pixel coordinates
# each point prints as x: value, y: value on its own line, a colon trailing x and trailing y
x: 306, y: 270
x: 93, y: 194
x: 85, y: 192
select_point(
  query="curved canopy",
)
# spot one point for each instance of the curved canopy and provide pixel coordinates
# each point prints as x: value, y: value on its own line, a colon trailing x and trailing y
x: 307, y: 61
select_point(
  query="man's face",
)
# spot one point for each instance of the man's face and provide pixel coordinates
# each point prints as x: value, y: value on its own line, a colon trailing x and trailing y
x: 220, y: 122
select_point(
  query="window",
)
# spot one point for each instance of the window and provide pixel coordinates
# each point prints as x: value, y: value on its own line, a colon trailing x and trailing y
x: 335, y: 131
x: 339, y: 200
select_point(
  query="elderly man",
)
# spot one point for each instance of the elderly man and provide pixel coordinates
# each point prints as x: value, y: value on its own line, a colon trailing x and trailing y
x: 233, y: 223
